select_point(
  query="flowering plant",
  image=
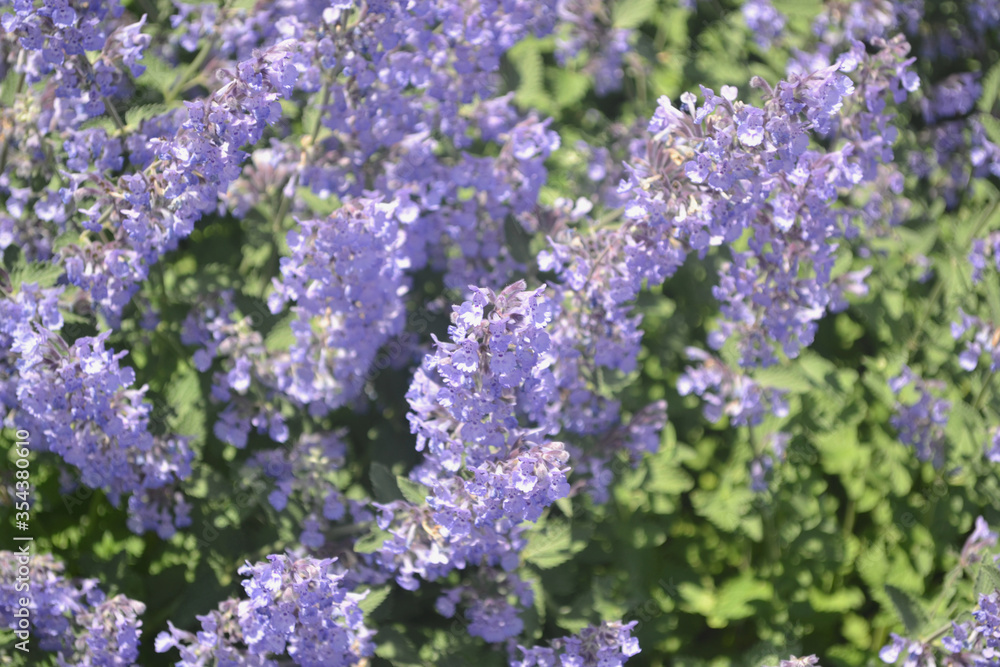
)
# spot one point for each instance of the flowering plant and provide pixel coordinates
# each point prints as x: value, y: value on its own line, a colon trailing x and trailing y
x: 448, y: 326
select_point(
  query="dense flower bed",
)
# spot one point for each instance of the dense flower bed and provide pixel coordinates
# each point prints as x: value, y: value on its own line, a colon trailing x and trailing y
x: 426, y: 325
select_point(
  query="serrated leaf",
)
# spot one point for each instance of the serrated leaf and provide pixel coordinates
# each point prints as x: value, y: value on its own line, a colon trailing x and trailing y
x: 135, y: 115
x: 724, y: 506
x: 527, y: 59
x: 552, y: 546
x: 666, y: 476
x: 894, y: 304
x: 569, y: 88
x: 908, y: 609
x: 384, y: 486
x: 539, y: 596
x: 799, y: 8
x: 44, y: 274
x: 412, y: 491
x: 159, y: 74
x: 8, y: 91
x: 730, y: 352
x: 566, y: 506
x: 632, y: 13
x: 375, y: 597
x: 782, y: 377
x: 371, y: 542
x: 987, y: 578
x: 732, y: 602
x: 102, y: 122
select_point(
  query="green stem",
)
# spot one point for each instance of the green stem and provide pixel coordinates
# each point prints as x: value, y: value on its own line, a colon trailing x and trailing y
x: 189, y: 73
x: 114, y: 115
x: 5, y: 146
x: 937, y: 633
x: 982, y: 390
x: 849, y: 515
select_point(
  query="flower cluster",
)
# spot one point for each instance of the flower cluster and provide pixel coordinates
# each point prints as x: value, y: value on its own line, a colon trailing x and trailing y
x: 489, y: 611
x: 957, y: 148
x: 608, y: 644
x: 57, y: 38
x: 466, y: 400
x: 181, y: 177
x: 920, y: 424
x: 970, y: 642
x: 372, y: 138
x: 765, y: 22
x: 464, y: 396
x: 726, y: 170
x: 728, y: 391
x: 595, y: 343
x: 345, y: 278
x: 428, y: 541
x: 81, y: 403
x: 587, y: 28
x: 306, y: 473
x: 297, y: 608
x: 74, y: 619
x: 985, y: 338
x: 982, y: 250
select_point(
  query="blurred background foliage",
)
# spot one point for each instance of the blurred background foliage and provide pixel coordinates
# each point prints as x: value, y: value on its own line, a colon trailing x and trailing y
x: 853, y: 538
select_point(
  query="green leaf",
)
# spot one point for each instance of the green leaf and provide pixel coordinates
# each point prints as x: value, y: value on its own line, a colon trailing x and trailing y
x: 159, y: 73
x: 991, y: 89
x: 908, y: 608
x: 569, y: 88
x: 135, y: 115
x: 987, y: 578
x: 321, y: 206
x: 413, y: 492
x: 816, y: 368
x: 725, y: 506
x: 526, y: 57
x: 894, y: 303
x: 395, y: 646
x: 632, y: 13
x: 280, y: 337
x: 44, y: 274
x: 552, y: 546
x: 838, y: 602
x: 371, y: 542
x: 992, y: 127
x: 8, y: 90
x: 782, y: 377
x: 732, y: 602
x: 375, y: 597
x: 666, y: 476
x: 184, y: 399
x: 384, y: 486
